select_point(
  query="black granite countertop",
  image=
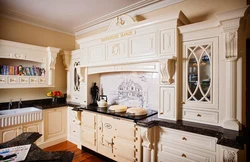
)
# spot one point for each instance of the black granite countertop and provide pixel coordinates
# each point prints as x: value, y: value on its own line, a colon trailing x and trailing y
x: 36, y: 153
x: 106, y: 111
x: 225, y: 137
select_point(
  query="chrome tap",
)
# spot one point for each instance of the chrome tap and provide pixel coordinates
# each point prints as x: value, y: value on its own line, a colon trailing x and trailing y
x: 10, y: 104
x: 19, y: 103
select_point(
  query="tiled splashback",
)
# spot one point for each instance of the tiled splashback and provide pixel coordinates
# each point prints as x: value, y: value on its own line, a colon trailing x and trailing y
x: 132, y: 89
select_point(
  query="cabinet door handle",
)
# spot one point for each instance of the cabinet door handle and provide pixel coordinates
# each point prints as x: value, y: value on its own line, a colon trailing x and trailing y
x: 184, y: 138
x: 183, y: 155
x: 161, y: 112
x: 182, y: 102
x: 198, y: 115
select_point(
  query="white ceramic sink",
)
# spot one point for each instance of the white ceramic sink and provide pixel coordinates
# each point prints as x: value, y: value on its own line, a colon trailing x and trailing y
x: 19, y: 116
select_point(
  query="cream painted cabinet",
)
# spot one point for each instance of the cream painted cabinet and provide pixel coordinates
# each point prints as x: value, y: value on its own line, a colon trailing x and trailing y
x: 38, y: 65
x: 167, y: 103
x: 34, y: 127
x: 9, y: 133
x: 175, y: 145
x: 200, y: 81
x: 55, y: 123
x: 89, y: 130
x: 74, y: 126
x: 74, y: 77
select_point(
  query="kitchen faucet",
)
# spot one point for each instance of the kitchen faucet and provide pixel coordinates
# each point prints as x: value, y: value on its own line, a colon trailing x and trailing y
x: 19, y: 103
x: 10, y: 103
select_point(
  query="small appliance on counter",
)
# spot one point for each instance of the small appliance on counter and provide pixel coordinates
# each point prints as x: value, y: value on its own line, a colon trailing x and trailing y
x: 103, y: 101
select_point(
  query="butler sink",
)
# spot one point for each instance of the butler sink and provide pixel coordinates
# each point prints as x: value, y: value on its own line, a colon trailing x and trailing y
x: 19, y: 116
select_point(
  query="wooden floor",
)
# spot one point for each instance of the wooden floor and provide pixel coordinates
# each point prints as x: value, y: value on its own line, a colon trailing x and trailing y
x: 79, y: 155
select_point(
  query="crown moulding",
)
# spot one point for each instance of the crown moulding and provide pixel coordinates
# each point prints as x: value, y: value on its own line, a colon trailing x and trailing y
x: 138, y: 8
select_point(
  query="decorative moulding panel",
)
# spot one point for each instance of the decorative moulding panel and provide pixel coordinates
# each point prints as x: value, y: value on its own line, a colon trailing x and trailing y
x: 167, y: 45
x: 96, y: 53
x: 117, y: 49
x: 146, y: 67
x: 142, y: 45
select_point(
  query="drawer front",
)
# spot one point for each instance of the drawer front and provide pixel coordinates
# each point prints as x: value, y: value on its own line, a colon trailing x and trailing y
x: 124, y: 151
x: 23, y: 80
x: 183, y: 154
x: 74, y: 130
x: 202, y: 116
x: 188, y: 139
x: 2, y: 79
x: 13, y: 80
x: 42, y: 80
x: 33, y: 80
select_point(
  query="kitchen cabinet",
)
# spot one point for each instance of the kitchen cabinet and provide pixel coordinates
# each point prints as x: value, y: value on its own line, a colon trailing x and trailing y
x: 38, y: 65
x: 167, y: 103
x: 175, y: 145
x: 200, y: 80
x: 55, y: 123
x: 74, y: 126
x: 9, y: 133
x: 74, y: 77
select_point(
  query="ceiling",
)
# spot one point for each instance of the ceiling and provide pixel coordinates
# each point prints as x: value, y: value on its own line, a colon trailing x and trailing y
x: 70, y: 16
x: 64, y: 15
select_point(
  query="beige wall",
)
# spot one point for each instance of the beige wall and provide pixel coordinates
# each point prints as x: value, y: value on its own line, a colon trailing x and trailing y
x: 195, y: 10
x: 20, y: 32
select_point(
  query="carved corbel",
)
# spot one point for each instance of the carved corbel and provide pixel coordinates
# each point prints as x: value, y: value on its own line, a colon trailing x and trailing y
x: 145, y: 139
x: 66, y: 56
x: 167, y: 70
x: 52, y: 54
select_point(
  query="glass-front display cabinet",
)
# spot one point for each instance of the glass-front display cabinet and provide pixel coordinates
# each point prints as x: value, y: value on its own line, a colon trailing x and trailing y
x: 199, y: 74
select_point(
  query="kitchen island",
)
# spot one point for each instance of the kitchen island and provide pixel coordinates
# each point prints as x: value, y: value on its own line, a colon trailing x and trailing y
x: 36, y: 153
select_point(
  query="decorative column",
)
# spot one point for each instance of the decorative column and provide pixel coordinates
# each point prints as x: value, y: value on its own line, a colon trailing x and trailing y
x: 52, y: 54
x: 230, y: 22
x: 147, y: 135
x: 66, y: 56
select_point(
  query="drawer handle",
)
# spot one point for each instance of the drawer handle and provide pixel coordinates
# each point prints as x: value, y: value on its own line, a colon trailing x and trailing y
x: 198, y: 115
x: 12, y: 80
x: 161, y: 112
x: 184, y: 138
x: 183, y: 155
x: 2, y: 80
x: 74, y: 131
x: 74, y: 121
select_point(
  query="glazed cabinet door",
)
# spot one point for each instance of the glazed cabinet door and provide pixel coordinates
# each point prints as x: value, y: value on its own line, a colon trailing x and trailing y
x: 200, y: 80
x: 75, y: 78
x: 7, y: 134
x: 55, y: 123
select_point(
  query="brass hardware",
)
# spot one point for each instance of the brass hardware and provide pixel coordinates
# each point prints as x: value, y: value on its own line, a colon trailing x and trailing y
x: 184, y: 138
x: 114, y: 155
x: 2, y: 80
x: 12, y: 80
x: 161, y: 112
x: 74, y: 121
x: 182, y: 102
x: 135, y: 139
x: 100, y: 128
x: 183, y: 155
x: 198, y: 115
x: 114, y: 137
x: 136, y: 150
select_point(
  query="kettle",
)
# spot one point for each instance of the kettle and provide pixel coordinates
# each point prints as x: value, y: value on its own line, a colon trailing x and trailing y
x: 102, y: 101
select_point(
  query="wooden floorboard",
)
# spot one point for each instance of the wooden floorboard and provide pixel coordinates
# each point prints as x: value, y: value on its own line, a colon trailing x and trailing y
x: 79, y: 155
